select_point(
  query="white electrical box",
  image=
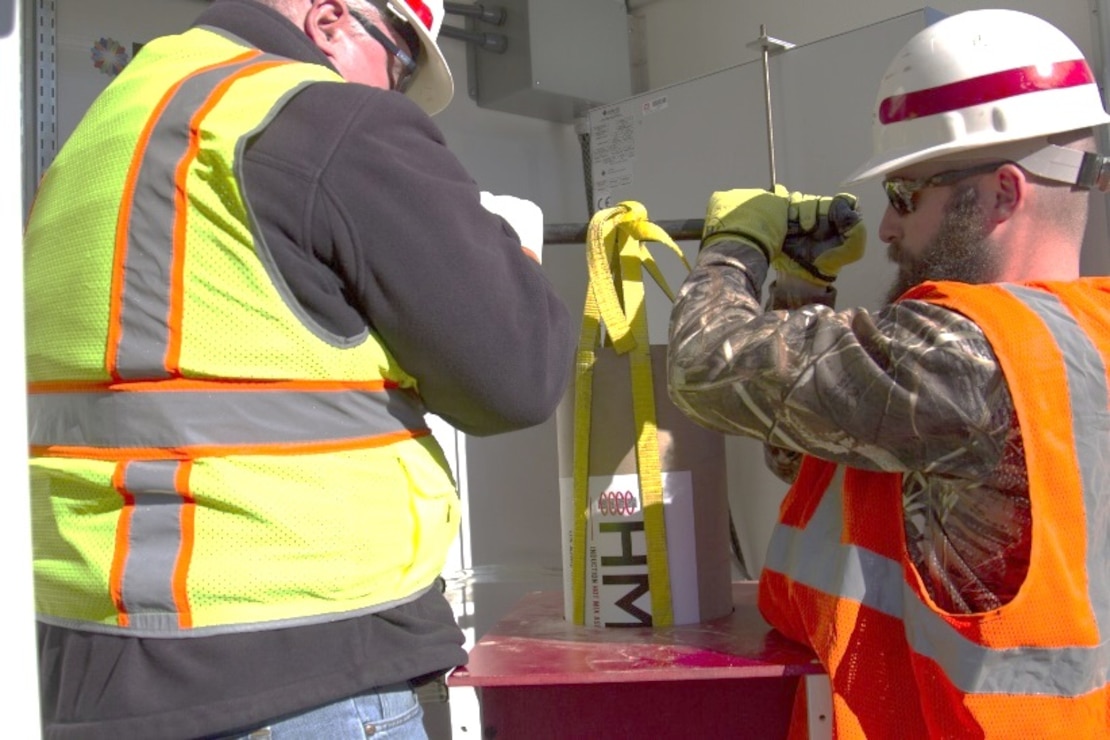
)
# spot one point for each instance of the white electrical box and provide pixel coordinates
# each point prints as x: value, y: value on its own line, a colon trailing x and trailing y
x: 562, y: 58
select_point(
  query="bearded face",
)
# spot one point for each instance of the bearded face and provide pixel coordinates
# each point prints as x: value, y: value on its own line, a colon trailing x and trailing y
x: 959, y: 251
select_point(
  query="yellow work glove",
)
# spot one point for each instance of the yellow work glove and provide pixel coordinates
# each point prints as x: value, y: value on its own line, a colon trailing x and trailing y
x: 752, y: 215
x: 823, y: 235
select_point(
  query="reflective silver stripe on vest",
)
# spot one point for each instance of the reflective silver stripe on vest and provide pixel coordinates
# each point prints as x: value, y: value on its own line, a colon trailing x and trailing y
x: 145, y: 335
x: 1090, y: 401
x: 153, y: 546
x: 177, y: 418
x: 808, y: 556
x: 863, y: 575
x: 184, y: 418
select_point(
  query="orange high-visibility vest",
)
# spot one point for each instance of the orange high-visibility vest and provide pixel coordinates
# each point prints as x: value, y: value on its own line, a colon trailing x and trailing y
x: 838, y: 577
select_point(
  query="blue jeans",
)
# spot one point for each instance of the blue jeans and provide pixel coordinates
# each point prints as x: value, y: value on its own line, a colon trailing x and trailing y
x: 386, y: 713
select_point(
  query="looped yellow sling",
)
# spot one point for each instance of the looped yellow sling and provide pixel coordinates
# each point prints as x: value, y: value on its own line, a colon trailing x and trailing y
x: 615, y: 255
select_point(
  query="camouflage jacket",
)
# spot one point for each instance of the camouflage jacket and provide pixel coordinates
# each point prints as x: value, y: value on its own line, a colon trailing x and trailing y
x: 912, y: 388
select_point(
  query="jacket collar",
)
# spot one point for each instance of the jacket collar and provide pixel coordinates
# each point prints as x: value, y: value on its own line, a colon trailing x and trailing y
x: 263, y: 28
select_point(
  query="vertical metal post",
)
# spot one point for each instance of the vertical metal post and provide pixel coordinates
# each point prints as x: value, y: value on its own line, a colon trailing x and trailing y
x: 40, y: 93
x: 767, y: 45
x: 767, y: 100
x: 1100, y: 28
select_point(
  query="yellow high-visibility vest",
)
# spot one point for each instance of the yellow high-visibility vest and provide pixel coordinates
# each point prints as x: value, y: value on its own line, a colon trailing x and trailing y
x: 204, y: 457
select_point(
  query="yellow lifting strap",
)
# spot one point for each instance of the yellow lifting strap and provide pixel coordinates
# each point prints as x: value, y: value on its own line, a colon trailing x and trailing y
x: 615, y: 255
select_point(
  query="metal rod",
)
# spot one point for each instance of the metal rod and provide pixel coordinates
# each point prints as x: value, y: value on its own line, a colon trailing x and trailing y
x: 767, y: 45
x: 495, y: 42
x: 679, y: 229
x: 493, y: 14
x: 767, y: 96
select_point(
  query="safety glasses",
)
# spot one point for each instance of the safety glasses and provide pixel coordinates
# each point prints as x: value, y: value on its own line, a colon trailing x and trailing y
x: 407, y: 60
x: 902, y: 192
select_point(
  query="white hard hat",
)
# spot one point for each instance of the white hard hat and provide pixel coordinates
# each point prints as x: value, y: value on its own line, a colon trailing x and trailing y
x: 978, y: 79
x: 432, y: 87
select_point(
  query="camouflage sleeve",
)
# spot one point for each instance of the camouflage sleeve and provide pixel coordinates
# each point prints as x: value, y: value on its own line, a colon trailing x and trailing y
x: 911, y: 387
x: 787, y: 294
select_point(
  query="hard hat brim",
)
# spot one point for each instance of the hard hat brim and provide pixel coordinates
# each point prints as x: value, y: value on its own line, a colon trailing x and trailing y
x: 433, y: 87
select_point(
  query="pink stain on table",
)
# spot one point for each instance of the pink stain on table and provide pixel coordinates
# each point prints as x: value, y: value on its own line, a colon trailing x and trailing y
x: 535, y: 645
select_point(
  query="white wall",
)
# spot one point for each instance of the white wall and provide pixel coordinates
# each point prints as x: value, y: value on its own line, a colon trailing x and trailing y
x: 687, y: 38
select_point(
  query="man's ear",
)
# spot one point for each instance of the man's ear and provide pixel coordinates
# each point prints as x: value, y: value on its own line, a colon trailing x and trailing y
x: 1009, y: 188
x: 322, y: 24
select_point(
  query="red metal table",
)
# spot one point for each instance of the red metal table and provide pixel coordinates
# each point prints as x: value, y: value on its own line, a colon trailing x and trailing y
x: 538, y: 676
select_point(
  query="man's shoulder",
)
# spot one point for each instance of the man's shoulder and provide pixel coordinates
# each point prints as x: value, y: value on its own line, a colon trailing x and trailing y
x: 324, y: 117
x: 331, y: 103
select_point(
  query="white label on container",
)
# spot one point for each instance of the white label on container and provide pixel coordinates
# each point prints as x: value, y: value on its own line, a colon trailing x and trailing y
x: 612, y: 149
x: 618, y: 590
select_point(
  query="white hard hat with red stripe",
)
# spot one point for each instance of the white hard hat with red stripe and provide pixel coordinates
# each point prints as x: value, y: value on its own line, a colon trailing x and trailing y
x: 432, y: 87
x: 979, y: 79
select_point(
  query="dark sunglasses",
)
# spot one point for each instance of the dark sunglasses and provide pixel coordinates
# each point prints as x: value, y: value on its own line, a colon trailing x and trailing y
x: 407, y: 60
x: 902, y: 192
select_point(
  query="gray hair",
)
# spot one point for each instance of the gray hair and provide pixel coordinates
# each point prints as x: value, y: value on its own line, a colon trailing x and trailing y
x: 291, y: 9
x: 295, y: 10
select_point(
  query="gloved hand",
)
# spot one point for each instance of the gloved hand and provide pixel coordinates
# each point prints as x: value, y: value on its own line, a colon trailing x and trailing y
x: 753, y: 215
x: 823, y: 235
x: 524, y: 216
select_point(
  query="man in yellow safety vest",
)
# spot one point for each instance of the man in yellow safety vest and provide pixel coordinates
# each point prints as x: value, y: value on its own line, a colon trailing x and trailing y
x: 247, y: 282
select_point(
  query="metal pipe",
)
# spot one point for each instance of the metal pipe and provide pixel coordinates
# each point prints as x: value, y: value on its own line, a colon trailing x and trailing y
x: 679, y: 229
x: 495, y: 42
x: 493, y: 14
